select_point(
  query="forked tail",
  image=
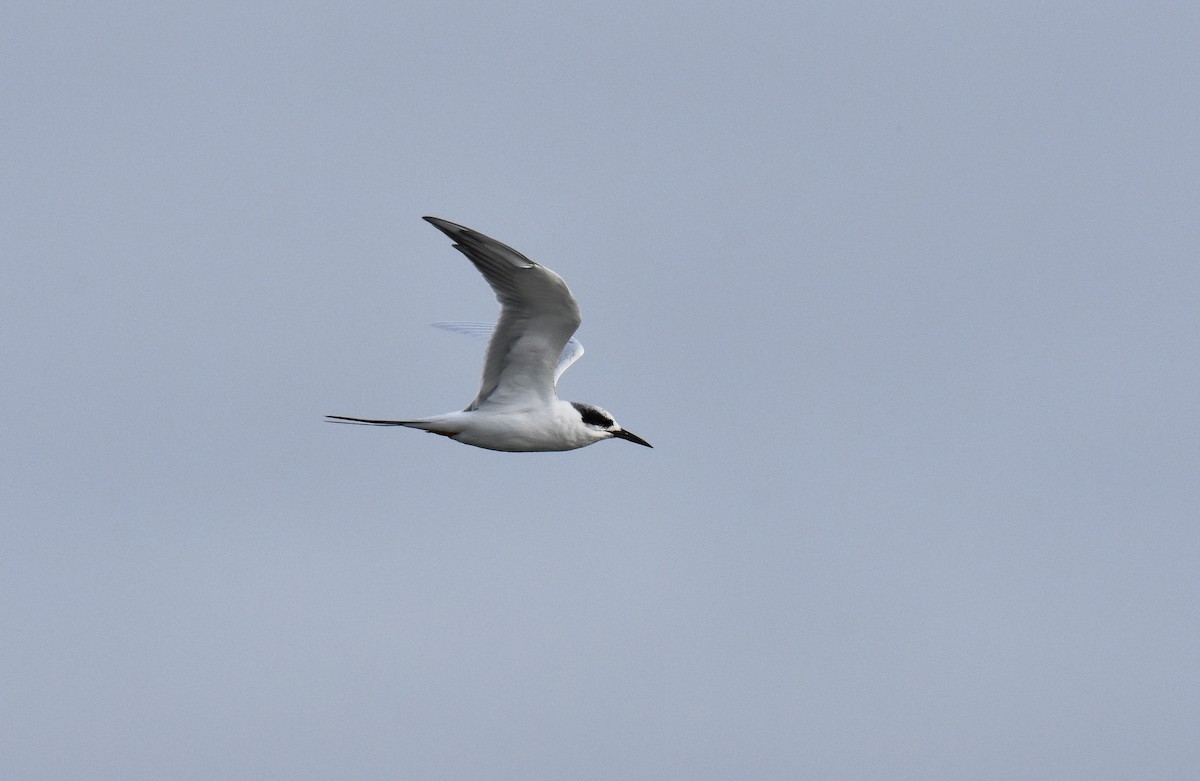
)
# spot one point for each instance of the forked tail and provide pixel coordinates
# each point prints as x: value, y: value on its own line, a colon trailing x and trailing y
x: 365, y: 422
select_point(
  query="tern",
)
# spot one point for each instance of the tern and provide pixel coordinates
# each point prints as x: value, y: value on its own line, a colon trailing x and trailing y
x: 517, y: 408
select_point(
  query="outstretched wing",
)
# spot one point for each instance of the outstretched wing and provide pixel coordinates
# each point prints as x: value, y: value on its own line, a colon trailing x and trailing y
x: 478, y: 330
x: 538, y: 314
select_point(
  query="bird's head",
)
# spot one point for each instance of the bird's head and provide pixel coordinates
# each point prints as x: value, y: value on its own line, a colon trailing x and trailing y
x: 602, y: 425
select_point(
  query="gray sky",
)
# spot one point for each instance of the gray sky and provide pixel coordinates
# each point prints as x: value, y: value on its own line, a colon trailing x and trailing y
x: 904, y: 296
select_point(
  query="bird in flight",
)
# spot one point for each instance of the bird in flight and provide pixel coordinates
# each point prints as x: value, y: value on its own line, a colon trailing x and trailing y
x: 517, y: 409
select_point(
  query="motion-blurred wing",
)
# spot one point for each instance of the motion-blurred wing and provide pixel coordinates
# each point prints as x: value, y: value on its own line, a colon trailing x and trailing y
x: 478, y: 330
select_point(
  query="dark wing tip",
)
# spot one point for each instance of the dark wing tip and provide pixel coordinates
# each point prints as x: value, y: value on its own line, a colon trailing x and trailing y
x: 461, y: 235
x: 445, y: 226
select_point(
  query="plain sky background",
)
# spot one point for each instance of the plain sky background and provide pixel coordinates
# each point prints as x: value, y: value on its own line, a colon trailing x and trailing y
x: 904, y: 295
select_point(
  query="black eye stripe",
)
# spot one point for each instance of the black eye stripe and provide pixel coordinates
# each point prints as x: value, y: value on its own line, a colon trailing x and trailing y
x: 593, y: 416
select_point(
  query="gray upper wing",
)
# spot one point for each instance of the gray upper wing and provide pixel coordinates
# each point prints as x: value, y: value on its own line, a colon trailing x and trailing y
x: 538, y: 315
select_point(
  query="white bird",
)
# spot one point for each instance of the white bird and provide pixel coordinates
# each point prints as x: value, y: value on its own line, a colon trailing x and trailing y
x: 517, y: 409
